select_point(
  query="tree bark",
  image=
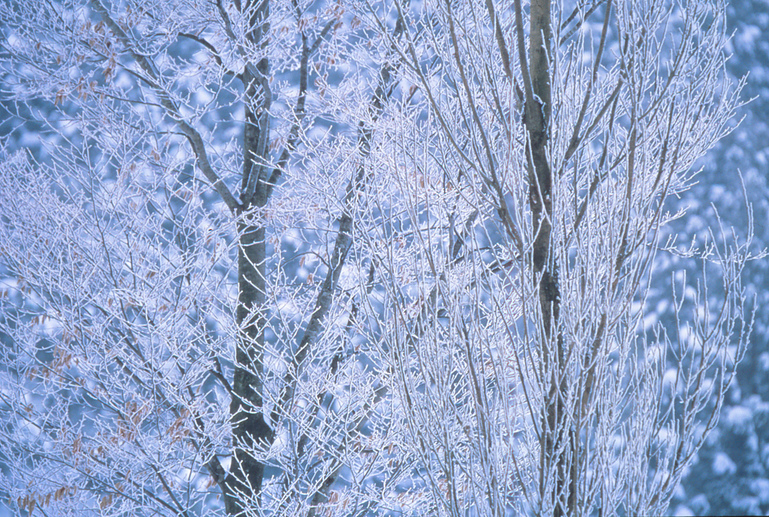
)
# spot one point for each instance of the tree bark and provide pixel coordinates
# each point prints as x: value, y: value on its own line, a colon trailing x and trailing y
x: 555, y: 453
x: 250, y: 431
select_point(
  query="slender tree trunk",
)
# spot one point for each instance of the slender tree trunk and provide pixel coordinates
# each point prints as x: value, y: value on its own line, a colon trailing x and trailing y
x: 556, y: 434
x: 250, y: 430
x: 540, y: 176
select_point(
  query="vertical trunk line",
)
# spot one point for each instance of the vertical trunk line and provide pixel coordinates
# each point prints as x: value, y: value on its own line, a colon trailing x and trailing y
x: 559, y: 442
x: 250, y: 432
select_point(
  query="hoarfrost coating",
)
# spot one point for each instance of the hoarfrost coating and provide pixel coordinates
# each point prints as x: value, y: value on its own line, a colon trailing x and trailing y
x: 278, y: 257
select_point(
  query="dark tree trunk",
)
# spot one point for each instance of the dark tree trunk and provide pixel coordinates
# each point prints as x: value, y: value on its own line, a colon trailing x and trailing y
x: 250, y: 430
x: 538, y: 108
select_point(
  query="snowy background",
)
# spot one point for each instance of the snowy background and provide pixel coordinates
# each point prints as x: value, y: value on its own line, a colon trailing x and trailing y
x: 731, y: 473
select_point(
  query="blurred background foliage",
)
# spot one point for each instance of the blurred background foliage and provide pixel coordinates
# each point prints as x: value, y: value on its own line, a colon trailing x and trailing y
x: 731, y: 473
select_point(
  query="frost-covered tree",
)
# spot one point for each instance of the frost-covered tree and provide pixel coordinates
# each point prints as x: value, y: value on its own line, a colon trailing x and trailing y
x: 286, y: 257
